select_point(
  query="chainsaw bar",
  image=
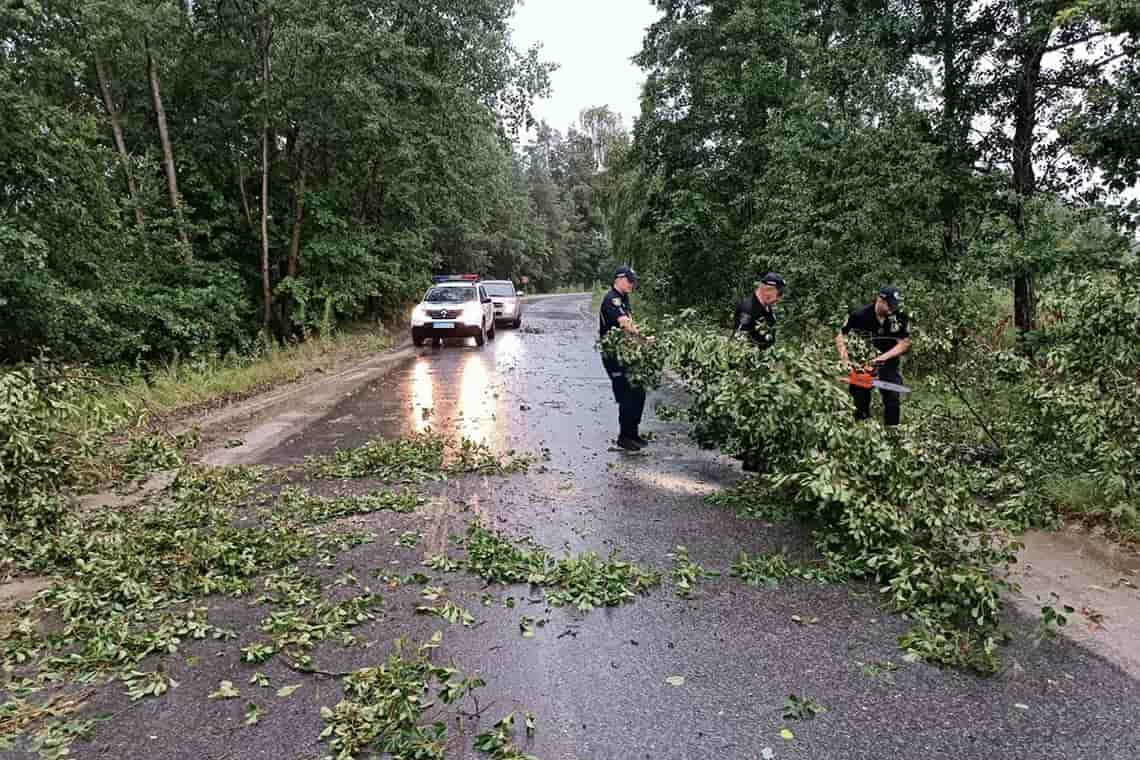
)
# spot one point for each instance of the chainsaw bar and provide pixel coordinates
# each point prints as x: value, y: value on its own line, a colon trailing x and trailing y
x: 865, y: 379
x: 890, y: 386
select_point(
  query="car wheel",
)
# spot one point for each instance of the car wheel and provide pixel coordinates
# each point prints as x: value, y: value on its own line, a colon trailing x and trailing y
x: 517, y: 323
x: 436, y: 342
x: 417, y: 342
x: 491, y: 334
x: 481, y: 338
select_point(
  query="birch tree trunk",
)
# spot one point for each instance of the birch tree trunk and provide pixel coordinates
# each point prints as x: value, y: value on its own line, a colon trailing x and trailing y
x: 244, y: 197
x: 117, y: 131
x: 167, y: 148
x: 266, y: 285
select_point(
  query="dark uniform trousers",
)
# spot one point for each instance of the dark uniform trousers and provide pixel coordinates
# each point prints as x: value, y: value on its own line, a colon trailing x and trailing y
x: 892, y: 409
x: 630, y: 399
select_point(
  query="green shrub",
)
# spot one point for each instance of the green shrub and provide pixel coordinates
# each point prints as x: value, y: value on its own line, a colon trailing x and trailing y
x: 47, y: 434
x: 885, y: 504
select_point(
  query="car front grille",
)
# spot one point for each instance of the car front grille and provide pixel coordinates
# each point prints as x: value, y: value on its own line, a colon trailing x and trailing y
x: 444, y: 313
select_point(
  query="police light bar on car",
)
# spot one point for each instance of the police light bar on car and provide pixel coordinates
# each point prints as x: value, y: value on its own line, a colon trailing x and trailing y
x: 455, y: 278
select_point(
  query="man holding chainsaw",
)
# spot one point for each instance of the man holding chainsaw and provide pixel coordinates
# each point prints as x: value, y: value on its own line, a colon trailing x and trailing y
x: 886, y: 327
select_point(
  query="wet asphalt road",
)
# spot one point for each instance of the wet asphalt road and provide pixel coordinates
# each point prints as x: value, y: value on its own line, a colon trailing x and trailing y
x: 596, y: 682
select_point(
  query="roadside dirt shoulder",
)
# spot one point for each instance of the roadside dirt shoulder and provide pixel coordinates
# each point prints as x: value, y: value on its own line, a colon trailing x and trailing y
x: 237, y: 432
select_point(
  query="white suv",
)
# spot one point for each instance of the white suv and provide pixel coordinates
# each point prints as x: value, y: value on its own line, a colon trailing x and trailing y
x: 508, y: 301
x: 456, y: 306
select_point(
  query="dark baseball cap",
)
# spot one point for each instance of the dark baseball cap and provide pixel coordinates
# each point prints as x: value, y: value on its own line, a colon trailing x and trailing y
x: 773, y: 279
x: 892, y: 295
x: 627, y: 273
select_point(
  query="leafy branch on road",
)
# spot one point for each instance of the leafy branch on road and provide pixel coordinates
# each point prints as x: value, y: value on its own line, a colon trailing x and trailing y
x: 686, y: 573
x: 123, y: 576
x: 891, y: 508
x: 752, y: 498
x: 499, y: 741
x: 416, y: 458
x: 383, y: 706
x: 802, y: 708
x: 584, y: 581
x: 770, y: 569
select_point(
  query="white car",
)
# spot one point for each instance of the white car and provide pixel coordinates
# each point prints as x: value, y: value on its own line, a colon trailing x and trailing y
x: 508, y: 301
x: 456, y: 306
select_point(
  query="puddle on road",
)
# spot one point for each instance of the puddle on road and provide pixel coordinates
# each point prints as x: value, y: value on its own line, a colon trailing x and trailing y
x: 1070, y: 553
x: 1099, y: 580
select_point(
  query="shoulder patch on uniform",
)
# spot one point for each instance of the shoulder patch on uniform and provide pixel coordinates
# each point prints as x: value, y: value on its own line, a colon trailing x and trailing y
x: 615, y: 301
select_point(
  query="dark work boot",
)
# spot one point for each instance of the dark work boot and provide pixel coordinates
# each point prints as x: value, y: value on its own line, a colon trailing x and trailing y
x: 642, y: 442
x: 628, y: 443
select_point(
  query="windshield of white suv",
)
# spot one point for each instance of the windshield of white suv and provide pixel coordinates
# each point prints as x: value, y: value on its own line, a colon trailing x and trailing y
x: 499, y: 289
x: 450, y: 295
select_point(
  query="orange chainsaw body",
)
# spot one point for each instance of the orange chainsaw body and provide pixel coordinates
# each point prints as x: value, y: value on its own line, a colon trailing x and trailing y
x: 866, y: 378
x: 861, y: 378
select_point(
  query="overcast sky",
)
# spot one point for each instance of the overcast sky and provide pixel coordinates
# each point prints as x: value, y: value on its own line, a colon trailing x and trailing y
x: 592, y: 41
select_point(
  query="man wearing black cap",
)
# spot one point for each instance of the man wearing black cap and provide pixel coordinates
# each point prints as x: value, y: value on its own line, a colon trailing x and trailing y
x: 887, y: 328
x: 616, y: 313
x: 754, y: 315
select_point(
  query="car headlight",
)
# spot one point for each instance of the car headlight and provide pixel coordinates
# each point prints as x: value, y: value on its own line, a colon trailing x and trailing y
x: 472, y: 313
x: 419, y: 315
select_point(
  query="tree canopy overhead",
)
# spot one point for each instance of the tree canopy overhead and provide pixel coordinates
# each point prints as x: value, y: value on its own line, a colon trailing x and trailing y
x: 179, y: 174
x: 849, y: 142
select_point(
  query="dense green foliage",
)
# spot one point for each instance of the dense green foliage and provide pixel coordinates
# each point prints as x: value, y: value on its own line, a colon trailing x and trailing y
x: 861, y: 142
x: 885, y: 505
x: 930, y: 510
x: 177, y: 175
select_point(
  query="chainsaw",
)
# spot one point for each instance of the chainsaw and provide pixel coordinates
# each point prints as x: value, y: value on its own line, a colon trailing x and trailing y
x: 866, y: 378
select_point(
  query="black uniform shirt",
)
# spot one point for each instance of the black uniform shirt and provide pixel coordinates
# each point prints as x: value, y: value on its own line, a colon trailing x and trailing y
x: 757, y: 321
x: 883, y: 335
x: 614, y: 307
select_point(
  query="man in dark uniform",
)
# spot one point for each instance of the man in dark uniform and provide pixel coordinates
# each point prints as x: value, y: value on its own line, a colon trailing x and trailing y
x: 755, y: 317
x: 887, y: 328
x: 616, y: 313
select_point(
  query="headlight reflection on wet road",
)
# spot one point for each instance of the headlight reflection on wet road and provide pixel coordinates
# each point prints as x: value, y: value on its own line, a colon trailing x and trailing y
x: 457, y: 392
x: 476, y: 407
x: 423, y: 396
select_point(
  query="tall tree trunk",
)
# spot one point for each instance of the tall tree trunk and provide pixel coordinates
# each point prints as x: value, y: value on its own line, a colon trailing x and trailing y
x: 117, y: 131
x: 298, y: 214
x: 167, y: 148
x: 297, y: 191
x: 244, y: 197
x: 1024, y: 178
x: 951, y: 86
x: 266, y: 286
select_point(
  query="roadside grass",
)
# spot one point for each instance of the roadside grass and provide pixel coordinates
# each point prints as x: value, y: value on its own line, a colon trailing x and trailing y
x: 180, y: 386
x: 1079, y: 498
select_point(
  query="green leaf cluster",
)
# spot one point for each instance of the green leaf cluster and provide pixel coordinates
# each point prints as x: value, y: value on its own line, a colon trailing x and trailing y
x: 639, y: 356
x: 383, y: 706
x: 884, y: 504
